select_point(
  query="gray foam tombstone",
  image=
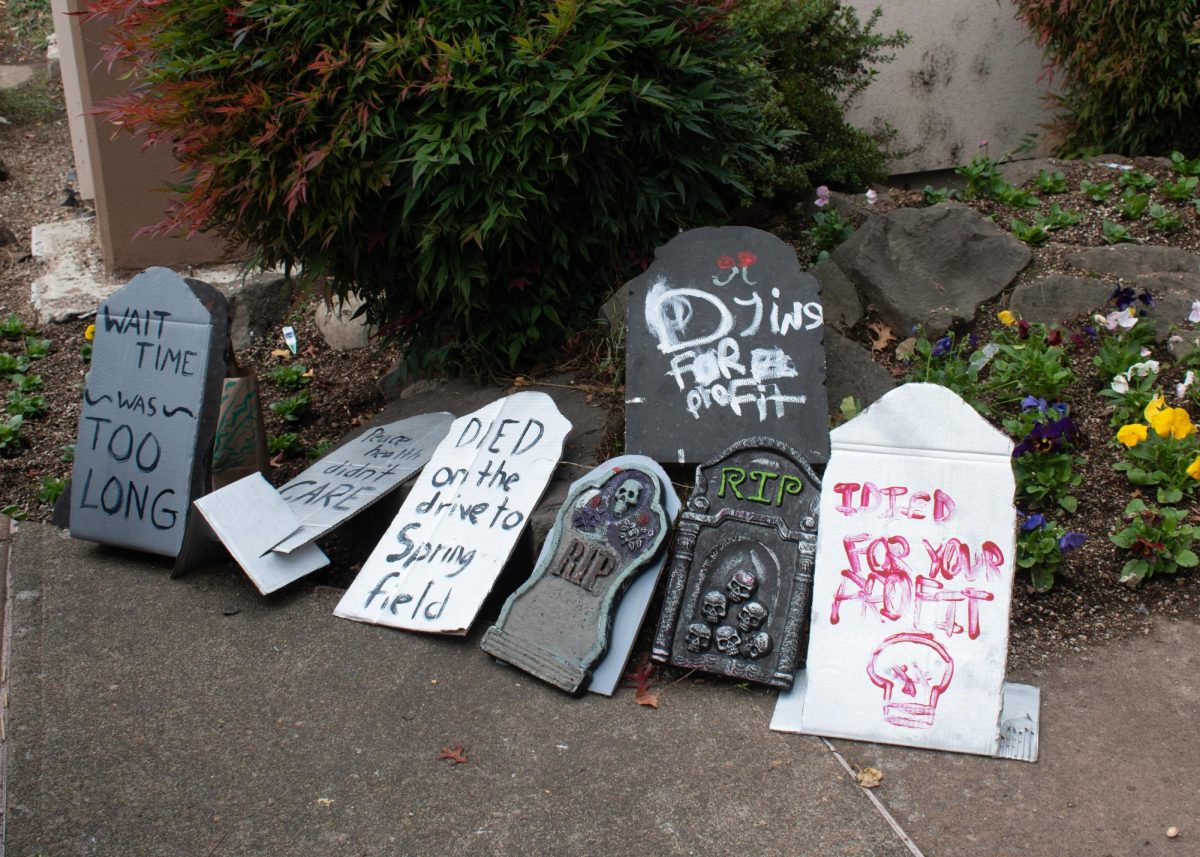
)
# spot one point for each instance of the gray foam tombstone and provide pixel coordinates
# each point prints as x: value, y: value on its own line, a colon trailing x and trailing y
x: 725, y: 341
x: 150, y: 408
x: 557, y: 624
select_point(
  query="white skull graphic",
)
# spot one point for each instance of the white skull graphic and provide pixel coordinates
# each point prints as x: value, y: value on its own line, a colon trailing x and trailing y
x: 751, y: 616
x: 713, y: 606
x: 757, y: 646
x: 699, y: 637
x: 728, y: 640
x: 626, y: 496
x: 741, y: 586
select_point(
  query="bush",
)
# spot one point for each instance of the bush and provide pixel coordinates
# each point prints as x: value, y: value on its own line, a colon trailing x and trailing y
x: 481, y: 172
x: 820, y: 57
x: 1131, y: 68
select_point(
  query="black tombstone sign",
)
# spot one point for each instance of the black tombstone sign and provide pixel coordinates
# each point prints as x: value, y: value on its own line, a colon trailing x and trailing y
x: 149, y: 415
x: 725, y: 341
x: 556, y: 625
x: 740, y: 584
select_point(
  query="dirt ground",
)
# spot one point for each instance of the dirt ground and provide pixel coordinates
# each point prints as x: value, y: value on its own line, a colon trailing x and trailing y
x: 1086, y: 607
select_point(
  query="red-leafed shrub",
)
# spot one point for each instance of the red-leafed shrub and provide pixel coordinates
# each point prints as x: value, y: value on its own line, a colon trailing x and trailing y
x: 1132, y: 72
x: 478, y: 170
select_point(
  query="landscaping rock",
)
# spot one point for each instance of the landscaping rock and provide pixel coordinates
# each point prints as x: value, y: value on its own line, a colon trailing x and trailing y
x: 616, y: 308
x: 850, y: 371
x: 840, y: 300
x: 1019, y: 173
x: 259, y: 302
x: 1132, y: 260
x: 930, y: 266
x: 12, y: 76
x: 1173, y: 297
x: 342, y: 330
x: 1059, y: 298
x: 75, y: 281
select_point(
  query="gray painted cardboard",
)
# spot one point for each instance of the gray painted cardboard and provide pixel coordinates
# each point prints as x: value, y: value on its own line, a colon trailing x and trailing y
x: 149, y: 412
x: 725, y: 341
x: 358, y: 473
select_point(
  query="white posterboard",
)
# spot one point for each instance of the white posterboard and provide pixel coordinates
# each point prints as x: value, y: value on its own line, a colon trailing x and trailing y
x: 249, y: 517
x: 440, y: 556
x: 913, y: 580
x: 358, y: 473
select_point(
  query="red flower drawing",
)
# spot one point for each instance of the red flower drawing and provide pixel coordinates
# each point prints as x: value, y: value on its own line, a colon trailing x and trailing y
x: 746, y: 258
x: 724, y: 262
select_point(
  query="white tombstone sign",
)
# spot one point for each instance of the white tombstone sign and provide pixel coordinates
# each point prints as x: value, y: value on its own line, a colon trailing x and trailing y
x: 439, y: 558
x: 358, y: 473
x: 913, y: 582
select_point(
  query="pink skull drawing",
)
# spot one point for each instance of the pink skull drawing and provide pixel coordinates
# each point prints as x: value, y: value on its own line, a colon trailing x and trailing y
x: 920, y: 668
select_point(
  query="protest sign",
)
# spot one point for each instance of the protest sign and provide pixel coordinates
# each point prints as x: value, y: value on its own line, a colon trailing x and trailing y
x: 149, y: 412
x: 913, y: 583
x: 439, y: 558
x: 725, y: 341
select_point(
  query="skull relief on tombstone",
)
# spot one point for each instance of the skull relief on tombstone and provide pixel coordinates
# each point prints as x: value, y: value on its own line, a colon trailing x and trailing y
x: 741, y: 586
x: 699, y: 637
x: 757, y: 646
x: 728, y: 640
x: 625, y: 498
x: 751, y: 616
x: 714, y: 606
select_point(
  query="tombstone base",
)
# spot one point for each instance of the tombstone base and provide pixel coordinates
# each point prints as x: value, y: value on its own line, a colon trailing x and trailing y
x: 535, y: 660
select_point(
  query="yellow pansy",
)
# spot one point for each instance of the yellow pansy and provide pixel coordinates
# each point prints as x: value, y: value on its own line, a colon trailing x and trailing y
x: 1007, y: 318
x: 1172, y: 422
x: 1156, y: 405
x: 90, y: 333
x: 1193, y: 469
x: 1132, y: 434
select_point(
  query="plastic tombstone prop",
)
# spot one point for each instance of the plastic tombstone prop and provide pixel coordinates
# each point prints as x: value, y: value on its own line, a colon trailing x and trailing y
x: 439, y: 558
x: 149, y: 414
x: 909, y: 625
x: 611, y: 528
x: 741, y: 575
x: 725, y: 341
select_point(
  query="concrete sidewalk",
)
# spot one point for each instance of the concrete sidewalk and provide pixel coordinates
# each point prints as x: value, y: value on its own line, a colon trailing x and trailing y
x: 150, y: 716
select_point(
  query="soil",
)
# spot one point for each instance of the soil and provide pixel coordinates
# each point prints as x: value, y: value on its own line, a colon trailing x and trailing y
x: 1086, y: 607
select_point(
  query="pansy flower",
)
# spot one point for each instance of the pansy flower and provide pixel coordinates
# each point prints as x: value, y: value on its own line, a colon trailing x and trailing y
x: 1174, y: 423
x: 1047, y: 437
x: 1133, y: 434
x: 1193, y: 469
x: 1023, y: 329
x: 942, y: 347
x: 1033, y: 522
x: 1007, y: 317
x: 1070, y: 540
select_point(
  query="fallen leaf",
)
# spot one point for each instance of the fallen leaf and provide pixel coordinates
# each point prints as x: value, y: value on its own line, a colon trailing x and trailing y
x: 325, y: 801
x: 520, y: 381
x: 776, y: 763
x: 882, y: 335
x: 281, y: 353
x: 640, y: 678
x: 277, y: 461
x: 456, y: 754
x: 869, y: 778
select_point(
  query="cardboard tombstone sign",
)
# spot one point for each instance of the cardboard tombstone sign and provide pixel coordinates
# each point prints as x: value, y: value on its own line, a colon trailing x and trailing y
x: 439, y: 558
x: 149, y: 412
x: 556, y: 626
x: 725, y: 341
x: 741, y: 574
x: 358, y: 473
x: 909, y: 625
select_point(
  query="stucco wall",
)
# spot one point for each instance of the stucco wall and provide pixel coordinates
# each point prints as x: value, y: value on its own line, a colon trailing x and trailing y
x: 970, y: 73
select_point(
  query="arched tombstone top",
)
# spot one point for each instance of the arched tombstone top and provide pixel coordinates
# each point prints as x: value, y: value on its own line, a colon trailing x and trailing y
x: 157, y: 290
x: 923, y: 418
x: 725, y: 340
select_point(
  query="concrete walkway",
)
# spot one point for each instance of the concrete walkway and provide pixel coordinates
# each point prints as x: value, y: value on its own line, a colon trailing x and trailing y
x: 150, y: 716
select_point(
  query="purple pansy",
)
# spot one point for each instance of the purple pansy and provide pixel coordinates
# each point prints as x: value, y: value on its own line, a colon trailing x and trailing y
x: 1071, y: 540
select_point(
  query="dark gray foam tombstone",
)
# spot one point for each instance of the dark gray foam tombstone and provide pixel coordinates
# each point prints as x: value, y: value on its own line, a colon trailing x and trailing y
x: 150, y: 408
x: 741, y: 577
x: 725, y: 341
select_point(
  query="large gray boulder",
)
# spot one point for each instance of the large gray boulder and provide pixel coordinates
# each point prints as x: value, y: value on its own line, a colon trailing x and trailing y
x: 839, y: 299
x: 851, y: 371
x: 1059, y: 298
x: 259, y: 303
x: 930, y: 266
x: 1133, y: 260
x: 1174, y: 294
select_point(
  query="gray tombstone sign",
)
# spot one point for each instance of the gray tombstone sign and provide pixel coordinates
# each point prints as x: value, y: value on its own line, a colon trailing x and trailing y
x: 741, y: 575
x: 725, y: 341
x: 149, y: 412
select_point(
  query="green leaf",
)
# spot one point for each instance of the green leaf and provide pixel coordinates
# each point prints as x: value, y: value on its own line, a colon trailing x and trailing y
x: 1069, y: 502
x: 1187, y: 559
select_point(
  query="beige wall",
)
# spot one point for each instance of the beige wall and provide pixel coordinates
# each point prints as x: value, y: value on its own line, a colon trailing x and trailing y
x: 970, y: 73
x: 128, y: 181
